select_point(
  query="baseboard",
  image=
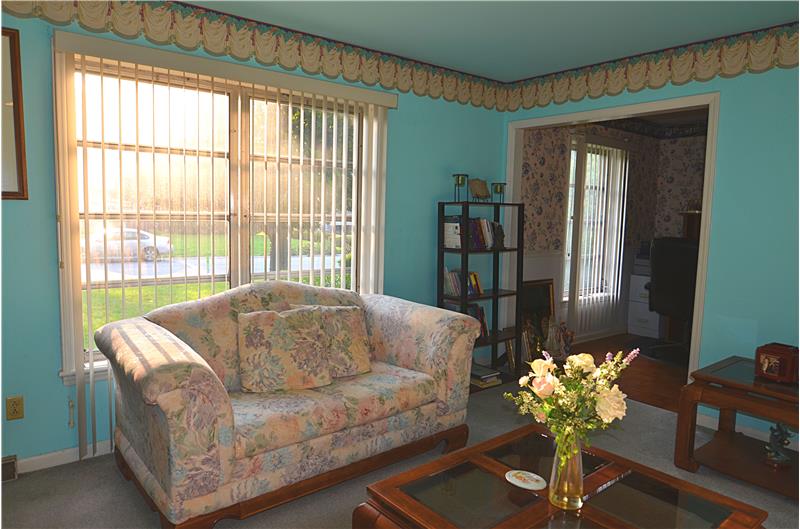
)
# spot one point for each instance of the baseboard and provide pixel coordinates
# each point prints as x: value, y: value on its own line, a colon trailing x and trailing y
x: 710, y: 422
x: 60, y: 457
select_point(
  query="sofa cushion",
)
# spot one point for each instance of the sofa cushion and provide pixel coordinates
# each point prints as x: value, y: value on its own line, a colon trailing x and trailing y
x: 384, y: 391
x: 266, y: 421
x: 348, y: 342
x: 280, y: 351
x: 210, y: 325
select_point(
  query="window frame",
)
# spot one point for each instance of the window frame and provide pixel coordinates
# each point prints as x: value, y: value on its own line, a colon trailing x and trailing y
x: 66, y: 45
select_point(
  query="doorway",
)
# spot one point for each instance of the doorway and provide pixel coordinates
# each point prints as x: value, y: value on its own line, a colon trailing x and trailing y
x: 605, y: 241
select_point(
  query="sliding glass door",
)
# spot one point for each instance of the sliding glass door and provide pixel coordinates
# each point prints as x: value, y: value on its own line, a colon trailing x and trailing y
x: 595, y: 234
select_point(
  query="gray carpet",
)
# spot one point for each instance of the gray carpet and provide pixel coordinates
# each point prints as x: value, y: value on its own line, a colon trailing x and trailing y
x: 92, y: 494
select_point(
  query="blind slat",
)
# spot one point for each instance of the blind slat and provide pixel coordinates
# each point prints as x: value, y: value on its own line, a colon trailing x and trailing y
x: 302, y: 131
x: 312, y: 223
x: 87, y: 231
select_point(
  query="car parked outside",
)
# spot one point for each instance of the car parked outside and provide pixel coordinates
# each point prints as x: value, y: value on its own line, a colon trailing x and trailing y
x: 128, y: 243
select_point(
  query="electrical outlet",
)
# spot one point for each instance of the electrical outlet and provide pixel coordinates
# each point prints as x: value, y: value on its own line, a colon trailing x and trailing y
x: 15, y: 408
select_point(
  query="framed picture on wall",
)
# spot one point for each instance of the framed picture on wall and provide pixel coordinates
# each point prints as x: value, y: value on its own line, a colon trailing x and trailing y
x: 15, y: 178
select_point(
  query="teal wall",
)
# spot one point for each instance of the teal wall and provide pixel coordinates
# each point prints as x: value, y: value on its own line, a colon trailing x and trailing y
x: 752, y: 284
x: 31, y: 347
x: 428, y: 140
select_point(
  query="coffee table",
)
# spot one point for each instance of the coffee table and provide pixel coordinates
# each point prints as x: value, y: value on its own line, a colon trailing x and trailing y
x: 467, y: 489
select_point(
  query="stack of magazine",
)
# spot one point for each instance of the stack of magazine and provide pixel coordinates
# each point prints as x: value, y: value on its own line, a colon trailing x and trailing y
x: 484, y: 377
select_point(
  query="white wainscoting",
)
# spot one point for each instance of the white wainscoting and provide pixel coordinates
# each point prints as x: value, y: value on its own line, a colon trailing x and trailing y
x: 550, y: 265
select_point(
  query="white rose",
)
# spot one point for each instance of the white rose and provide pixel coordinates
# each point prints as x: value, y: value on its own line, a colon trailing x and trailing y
x: 541, y: 367
x: 610, y: 404
x: 524, y: 380
x: 583, y: 362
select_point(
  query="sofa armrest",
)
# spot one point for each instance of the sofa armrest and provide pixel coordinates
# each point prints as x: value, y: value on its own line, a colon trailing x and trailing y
x: 428, y: 339
x: 172, y: 407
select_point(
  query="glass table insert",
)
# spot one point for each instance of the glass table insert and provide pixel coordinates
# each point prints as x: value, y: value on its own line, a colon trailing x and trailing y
x: 535, y: 452
x: 647, y: 503
x: 469, y: 496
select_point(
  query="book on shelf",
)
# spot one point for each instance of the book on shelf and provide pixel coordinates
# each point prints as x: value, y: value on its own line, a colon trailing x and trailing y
x: 499, y: 235
x: 483, y: 234
x: 452, y: 234
x: 474, y: 310
x: 475, y: 281
x: 452, y: 283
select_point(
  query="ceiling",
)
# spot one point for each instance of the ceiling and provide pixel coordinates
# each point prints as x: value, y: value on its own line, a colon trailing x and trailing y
x: 509, y: 41
x: 676, y: 118
x: 665, y: 124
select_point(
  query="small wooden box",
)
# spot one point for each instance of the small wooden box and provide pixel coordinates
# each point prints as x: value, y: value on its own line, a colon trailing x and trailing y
x: 777, y: 362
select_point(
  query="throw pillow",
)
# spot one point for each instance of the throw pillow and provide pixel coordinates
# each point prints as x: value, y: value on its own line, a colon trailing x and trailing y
x: 347, y: 339
x: 281, y: 351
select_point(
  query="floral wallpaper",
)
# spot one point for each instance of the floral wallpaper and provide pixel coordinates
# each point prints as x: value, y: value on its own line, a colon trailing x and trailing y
x: 673, y: 168
x: 681, y: 164
x: 545, y: 173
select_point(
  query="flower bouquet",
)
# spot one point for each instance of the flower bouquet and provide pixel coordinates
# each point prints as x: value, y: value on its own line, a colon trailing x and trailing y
x: 572, y: 401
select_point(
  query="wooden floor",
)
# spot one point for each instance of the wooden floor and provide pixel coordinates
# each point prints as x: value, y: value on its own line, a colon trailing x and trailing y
x: 646, y: 380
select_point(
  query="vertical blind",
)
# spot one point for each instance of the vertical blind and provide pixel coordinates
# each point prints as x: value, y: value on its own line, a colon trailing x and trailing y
x: 596, y: 206
x: 303, y: 159
x: 176, y: 185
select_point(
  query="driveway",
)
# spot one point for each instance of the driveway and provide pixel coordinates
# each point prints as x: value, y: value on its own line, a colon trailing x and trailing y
x: 192, y: 267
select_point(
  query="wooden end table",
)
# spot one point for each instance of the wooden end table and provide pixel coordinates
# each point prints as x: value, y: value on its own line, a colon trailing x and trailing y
x: 468, y: 489
x: 731, y: 386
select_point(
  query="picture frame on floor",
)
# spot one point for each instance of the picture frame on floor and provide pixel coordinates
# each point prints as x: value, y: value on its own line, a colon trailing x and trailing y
x: 538, y: 305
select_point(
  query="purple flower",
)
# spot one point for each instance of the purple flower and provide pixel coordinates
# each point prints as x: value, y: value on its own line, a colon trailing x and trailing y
x: 609, y: 357
x: 546, y: 355
x: 631, y: 356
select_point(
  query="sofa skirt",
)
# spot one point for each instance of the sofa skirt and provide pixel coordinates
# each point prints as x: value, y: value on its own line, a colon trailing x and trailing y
x: 269, y: 471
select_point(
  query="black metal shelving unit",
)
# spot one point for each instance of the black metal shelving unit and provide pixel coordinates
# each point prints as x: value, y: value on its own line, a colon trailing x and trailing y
x: 493, y: 294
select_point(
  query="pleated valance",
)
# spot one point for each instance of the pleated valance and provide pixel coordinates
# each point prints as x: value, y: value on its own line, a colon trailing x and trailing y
x: 192, y: 28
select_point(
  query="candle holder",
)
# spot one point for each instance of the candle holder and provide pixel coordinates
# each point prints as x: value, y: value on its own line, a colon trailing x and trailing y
x: 499, y: 189
x: 459, y: 181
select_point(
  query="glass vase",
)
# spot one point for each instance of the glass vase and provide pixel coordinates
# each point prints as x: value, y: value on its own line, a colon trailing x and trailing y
x: 566, y: 481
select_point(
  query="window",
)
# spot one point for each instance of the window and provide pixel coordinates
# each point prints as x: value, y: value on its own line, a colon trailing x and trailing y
x: 596, y: 203
x: 177, y: 184
x: 303, y: 187
x: 152, y: 163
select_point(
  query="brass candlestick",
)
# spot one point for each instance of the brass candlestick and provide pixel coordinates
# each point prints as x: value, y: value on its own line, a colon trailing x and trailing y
x: 459, y: 181
x: 499, y: 188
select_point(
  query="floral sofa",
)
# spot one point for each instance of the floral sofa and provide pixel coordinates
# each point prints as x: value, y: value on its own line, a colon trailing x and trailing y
x: 197, y: 444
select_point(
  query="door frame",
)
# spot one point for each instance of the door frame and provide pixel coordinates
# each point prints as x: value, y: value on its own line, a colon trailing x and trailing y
x: 710, y: 100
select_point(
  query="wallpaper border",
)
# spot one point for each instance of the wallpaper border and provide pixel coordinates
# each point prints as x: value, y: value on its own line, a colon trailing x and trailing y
x: 191, y: 27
